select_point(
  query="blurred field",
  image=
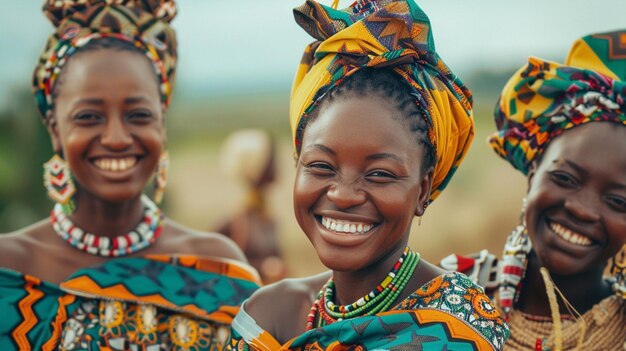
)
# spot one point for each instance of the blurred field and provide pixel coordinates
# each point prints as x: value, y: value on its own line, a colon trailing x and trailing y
x: 476, y: 211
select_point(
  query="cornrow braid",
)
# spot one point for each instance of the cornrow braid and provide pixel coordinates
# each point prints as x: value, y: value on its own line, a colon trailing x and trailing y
x: 385, y: 83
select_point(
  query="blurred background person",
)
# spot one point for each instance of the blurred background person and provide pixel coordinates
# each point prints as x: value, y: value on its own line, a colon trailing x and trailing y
x: 249, y: 156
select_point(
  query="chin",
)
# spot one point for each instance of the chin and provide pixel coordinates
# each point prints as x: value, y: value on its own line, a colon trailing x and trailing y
x: 559, y: 264
x: 119, y: 194
x: 340, y: 260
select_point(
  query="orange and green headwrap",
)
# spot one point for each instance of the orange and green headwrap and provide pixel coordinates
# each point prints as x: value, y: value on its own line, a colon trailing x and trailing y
x: 394, y: 34
x: 142, y: 23
x: 545, y: 98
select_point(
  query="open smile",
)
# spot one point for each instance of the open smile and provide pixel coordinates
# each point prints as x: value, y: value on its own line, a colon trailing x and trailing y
x: 115, y: 164
x: 345, y: 227
x: 569, y: 235
x: 342, y: 234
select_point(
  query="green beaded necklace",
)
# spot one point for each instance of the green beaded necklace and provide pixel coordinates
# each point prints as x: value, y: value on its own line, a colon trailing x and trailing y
x: 325, y: 311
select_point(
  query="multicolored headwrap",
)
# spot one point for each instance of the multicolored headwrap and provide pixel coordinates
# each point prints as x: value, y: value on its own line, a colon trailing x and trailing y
x: 545, y: 98
x: 142, y: 23
x: 383, y: 34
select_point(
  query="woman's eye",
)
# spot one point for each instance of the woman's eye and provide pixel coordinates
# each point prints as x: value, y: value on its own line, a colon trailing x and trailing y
x: 381, y: 176
x: 617, y: 202
x: 87, y: 117
x: 563, y: 179
x: 140, y: 116
x: 319, y: 168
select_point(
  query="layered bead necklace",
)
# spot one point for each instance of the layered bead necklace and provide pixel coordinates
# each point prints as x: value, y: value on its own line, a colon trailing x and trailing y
x: 145, y: 234
x: 324, y: 310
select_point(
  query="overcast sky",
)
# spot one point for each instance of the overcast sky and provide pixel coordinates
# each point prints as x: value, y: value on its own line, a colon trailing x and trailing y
x: 255, y: 44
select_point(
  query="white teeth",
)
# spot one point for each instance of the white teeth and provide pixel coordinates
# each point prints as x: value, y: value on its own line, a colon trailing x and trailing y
x: 345, y: 226
x: 569, y: 235
x: 115, y: 164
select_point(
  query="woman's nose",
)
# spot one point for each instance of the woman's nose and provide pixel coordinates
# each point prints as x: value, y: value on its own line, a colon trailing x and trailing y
x: 116, y: 135
x: 346, y: 194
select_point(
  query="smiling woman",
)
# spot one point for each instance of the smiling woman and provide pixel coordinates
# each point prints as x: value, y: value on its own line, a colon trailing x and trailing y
x: 380, y: 125
x: 102, y: 86
x: 109, y: 123
x: 574, y: 214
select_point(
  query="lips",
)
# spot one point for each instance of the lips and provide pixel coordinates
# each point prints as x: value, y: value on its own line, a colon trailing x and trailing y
x: 569, y: 235
x: 115, y: 164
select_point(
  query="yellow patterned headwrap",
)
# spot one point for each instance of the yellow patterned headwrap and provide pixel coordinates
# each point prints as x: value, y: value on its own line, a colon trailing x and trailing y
x: 544, y: 98
x: 393, y: 34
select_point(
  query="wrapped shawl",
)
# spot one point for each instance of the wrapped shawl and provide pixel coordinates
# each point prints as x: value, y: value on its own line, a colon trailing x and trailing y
x: 153, y: 303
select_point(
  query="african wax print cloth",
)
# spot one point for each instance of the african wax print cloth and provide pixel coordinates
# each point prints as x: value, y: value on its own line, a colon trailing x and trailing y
x: 142, y: 23
x: 394, y: 34
x: 447, y: 313
x: 543, y: 99
x: 153, y: 303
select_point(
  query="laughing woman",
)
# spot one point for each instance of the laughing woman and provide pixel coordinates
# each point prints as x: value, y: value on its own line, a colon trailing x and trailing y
x: 380, y: 124
x: 550, y: 282
x: 107, y: 271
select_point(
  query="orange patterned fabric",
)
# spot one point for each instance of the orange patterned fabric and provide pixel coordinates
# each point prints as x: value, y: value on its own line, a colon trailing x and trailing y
x: 168, y: 302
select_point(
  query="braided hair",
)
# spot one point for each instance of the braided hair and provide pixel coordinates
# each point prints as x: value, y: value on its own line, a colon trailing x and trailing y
x: 385, y: 83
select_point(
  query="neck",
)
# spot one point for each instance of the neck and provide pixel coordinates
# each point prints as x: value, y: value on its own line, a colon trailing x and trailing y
x: 350, y: 286
x: 104, y: 218
x: 582, y: 290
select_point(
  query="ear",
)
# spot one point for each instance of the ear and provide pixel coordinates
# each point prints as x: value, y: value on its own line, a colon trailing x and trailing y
x: 426, y: 184
x: 53, y: 130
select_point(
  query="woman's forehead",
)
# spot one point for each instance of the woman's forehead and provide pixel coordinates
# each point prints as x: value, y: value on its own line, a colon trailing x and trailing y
x: 595, y: 145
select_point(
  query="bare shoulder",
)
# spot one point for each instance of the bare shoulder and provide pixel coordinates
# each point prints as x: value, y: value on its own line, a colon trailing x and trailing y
x: 16, y: 247
x: 281, y: 308
x: 196, y: 242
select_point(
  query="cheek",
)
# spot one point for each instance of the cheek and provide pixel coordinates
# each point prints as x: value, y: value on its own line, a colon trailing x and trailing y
x: 74, y: 145
x: 539, y: 197
x: 153, y: 136
x: 395, y: 201
x: 305, y: 192
x: 616, y: 226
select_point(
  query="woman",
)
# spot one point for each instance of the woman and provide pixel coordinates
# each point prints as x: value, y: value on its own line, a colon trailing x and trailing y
x: 380, y: 124
x: 102, y: 86
x: 550, y: 280
x: 249, y: 155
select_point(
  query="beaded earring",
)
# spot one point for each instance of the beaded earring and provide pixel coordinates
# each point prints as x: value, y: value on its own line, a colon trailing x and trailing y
x: 618, y: 270
x: 58, y: 182
x: 512, y: 267
x: 160, y: 180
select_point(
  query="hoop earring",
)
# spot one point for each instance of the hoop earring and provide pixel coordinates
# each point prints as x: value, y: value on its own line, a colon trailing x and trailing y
x: 512, y: 268
x: 618, y: 271
x: 57, y: 180
x: 160, y: 180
